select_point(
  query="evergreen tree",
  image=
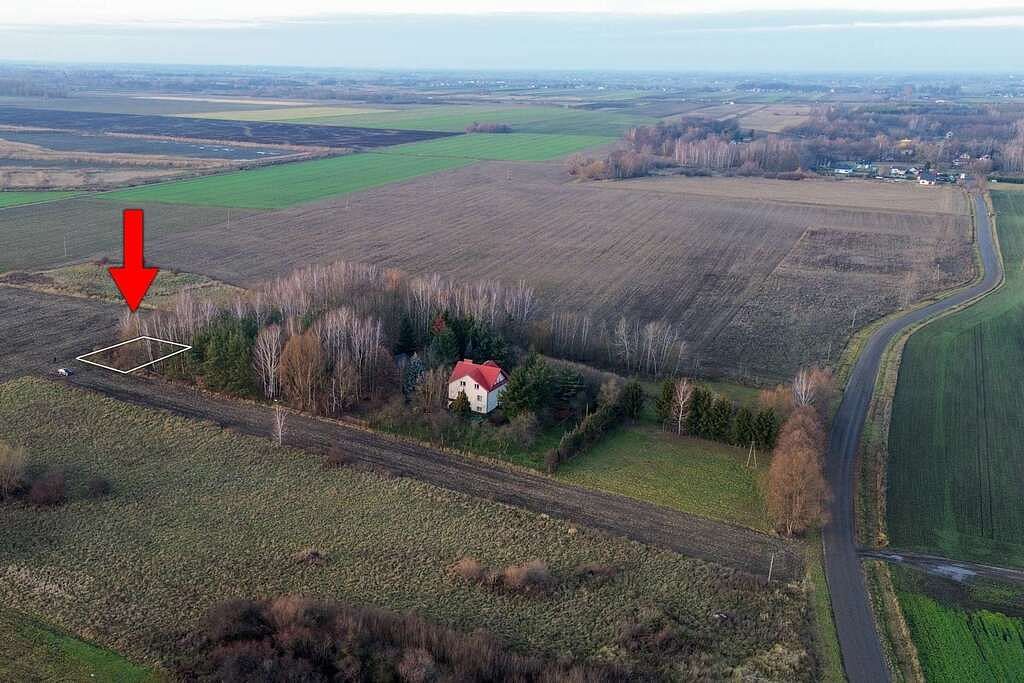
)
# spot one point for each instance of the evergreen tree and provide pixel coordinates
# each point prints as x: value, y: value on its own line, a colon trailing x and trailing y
x: 460, y: 406
x: 414, y: 369
x: 698, y: 421
x: 720, y: 420
x: 406, y: 343
x: 530, y: 388
x: 632, y: 400
x: 744, y: 431
x: 766, y: 429
x: 663, y: 404
x: 444, y: 349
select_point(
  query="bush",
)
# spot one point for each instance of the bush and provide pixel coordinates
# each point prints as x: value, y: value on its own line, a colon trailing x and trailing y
x: 48, y: 490
x: 596, y: 571
x: 530, y: 577
x: 12, y: 469
x: 469, y: 569
x: 296, y: 639
x: 311, y: 557
x: 98, y: 487
x: 336, y: 458
x: 522, y: 430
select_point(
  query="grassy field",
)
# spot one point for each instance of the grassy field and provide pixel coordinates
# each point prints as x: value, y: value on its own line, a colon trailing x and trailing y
x: 692, y: 475
x: 31, y: 650
x: 455, y: 118
x: 201, y: 514
x: 956, y: 644
x: 46, y: 235
x: 955, y: 466
x: 9, y: 198
x: 288, y: 184
x: 93, y: 281
x: 500, y: 147
x: 286, y: 114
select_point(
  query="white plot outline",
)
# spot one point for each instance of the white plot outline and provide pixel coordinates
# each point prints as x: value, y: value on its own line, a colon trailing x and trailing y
x: 82, y: 358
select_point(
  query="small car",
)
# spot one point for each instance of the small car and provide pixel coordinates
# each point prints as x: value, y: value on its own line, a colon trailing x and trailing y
x: 65, y: 372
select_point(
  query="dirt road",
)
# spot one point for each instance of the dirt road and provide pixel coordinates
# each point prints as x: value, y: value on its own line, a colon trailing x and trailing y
x: 688, y: 535
x: 858, y: 640
x: 958, y: 570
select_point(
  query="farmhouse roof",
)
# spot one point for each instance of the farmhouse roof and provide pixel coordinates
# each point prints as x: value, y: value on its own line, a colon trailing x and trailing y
x: 488, y: 375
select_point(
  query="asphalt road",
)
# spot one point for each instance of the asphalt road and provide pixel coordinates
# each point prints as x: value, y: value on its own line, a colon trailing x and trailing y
x: 47, y: 331
x: 858, y: 639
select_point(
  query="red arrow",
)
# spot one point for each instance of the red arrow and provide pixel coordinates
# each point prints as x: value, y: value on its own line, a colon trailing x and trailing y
x: 133, y: 278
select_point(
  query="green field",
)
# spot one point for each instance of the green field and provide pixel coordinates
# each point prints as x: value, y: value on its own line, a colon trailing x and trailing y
x: 956, y: 465
x: 455, y: 118
x: 956, y: 645
x: 33, y: 651
x: 201, y: 514
x: 693, y: 475
x: 275, y: 187
x: 501, y: 147
x: 16, y: 198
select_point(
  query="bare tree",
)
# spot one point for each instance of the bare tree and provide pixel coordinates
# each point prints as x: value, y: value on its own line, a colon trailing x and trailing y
x: 280, y: 426
x: 797, y: 491
x: 266, y: 358
x: 803, y: 388
x: 682, y: 395
x: 12, y: 468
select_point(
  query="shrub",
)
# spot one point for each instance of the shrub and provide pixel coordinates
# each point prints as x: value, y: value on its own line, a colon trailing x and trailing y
x: 596, y: 571
x: 417, y: 666
x: 237, y: 620
x: 530, y: 577
x: 98, y: 487
x: 335, y: 458
x: 311, y: 557
x: 48, y: 490
x: 522, y: 430
x: 551, y: 461
x: 469, y: 569
x: 12, y: 469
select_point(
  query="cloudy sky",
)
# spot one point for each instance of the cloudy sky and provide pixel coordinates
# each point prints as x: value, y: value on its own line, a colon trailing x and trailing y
x: 674, y: 35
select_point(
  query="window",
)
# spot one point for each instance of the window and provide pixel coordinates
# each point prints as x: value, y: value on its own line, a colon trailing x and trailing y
x: 462, y: 383
x: 476, y: 386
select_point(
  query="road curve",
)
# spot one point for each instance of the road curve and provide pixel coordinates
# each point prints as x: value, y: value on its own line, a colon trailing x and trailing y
x: 858, y: 639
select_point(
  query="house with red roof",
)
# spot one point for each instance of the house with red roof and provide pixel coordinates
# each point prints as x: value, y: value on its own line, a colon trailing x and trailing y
x: 482, y: 382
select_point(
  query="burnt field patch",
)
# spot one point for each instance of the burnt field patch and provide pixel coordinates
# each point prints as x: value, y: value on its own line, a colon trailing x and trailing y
x: 214, y: 129
x: 745, y: 280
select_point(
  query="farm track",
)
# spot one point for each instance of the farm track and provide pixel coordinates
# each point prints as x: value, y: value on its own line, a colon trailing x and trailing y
x: 958, y: 570
x: 858, y: 638
x: 67, y: 323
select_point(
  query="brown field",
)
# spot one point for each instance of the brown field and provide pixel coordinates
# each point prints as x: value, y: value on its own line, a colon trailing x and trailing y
x: 774, y: 118
x: 758, y: 285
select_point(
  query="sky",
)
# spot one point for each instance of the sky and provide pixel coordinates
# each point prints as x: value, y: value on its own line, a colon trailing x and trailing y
x: 663, y: 35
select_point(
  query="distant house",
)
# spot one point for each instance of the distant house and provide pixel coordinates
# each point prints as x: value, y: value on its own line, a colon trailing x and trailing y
x: 897, y: 172
x: 927, y: 179
x: 842, y: 171
x: 482, y: 382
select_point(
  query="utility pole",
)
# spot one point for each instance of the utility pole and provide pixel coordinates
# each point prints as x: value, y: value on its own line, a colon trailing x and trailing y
x: 65, y: 244
x: 771, y: 566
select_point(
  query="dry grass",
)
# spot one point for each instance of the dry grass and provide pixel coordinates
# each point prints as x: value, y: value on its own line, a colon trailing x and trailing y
x: 202, y: 515
x: 775, y: 118
x: 762, y: 275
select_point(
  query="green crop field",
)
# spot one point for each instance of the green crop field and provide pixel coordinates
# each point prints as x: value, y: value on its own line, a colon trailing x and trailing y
x: 284, y: 185
x: 692, y: 475
x: 455, y: 118
x: 956, y: 465
x: 503, y: 147
x: 957, y: 644
x: 201, y: 514
x: 33, y: 651
x: 16, y: 198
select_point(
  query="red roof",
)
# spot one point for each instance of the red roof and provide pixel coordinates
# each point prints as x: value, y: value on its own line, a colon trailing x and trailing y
x: 488, y: 375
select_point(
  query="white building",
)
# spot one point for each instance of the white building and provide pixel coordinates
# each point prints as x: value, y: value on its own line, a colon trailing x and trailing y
x: 483, y: 384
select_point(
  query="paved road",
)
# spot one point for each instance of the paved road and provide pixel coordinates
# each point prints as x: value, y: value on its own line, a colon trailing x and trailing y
x: 957, y: 570
x: 858, y: 640
x: 71, y: 327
